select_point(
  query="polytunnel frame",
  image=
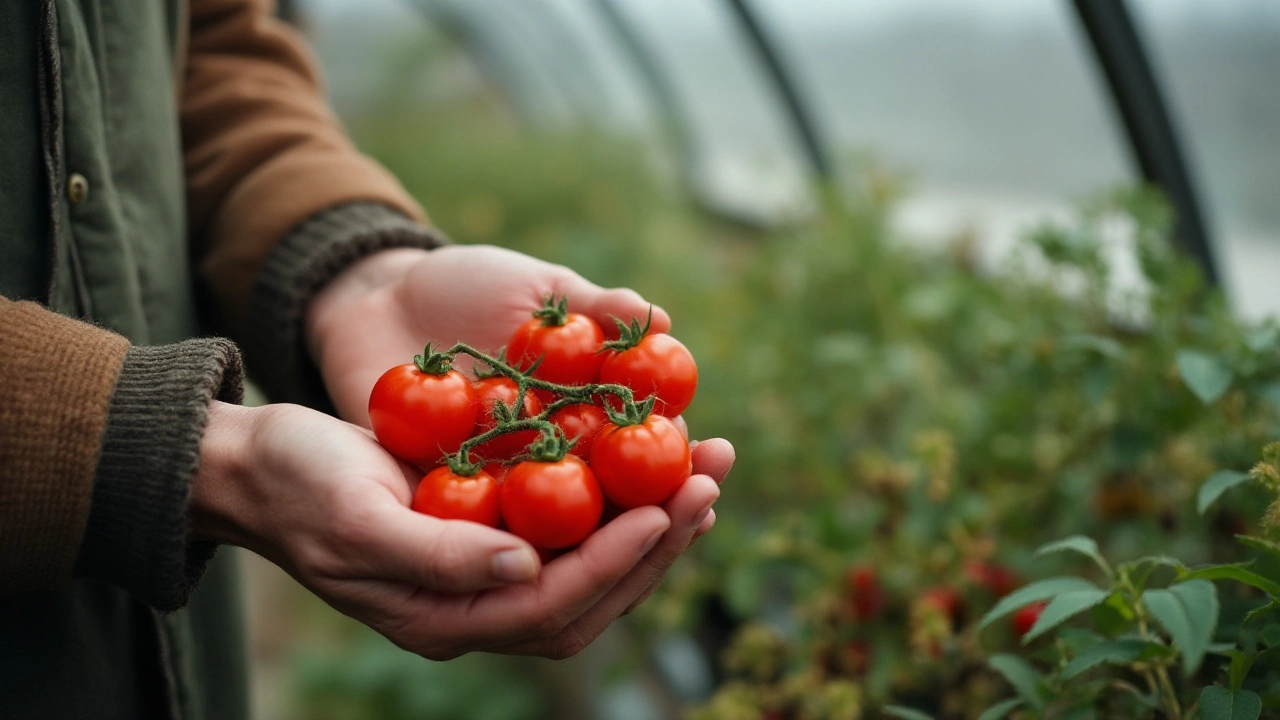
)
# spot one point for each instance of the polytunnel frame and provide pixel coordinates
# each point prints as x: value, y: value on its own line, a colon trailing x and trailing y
x: 1117, y: 47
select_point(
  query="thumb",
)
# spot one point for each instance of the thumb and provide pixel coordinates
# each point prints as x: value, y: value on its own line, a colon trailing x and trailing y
x: 451, y: 556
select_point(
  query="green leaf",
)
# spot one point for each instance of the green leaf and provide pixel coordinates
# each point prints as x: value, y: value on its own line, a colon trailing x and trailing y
x: 1001, y: 709
x: 1219, y: 703
x: 905, y: 713
x: 1020, y: 675
x: 1063, y: 608
x: 1260, y: 611
x: 1205, y: 375
x: 1240, y: 665
x: 1035, y: 592
x: 1271, y: 635
x: 1218, y: 483
x: 1262, y: 339
x: 1237, y: 572
x: 1189, y: 613
x: 1270, y: 547
x: 1115, y: 652
x: 1102, y: 345
x: 1079, y: 544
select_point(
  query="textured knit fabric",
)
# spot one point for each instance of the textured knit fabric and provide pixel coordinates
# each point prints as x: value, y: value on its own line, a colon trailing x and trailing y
x: 297, y: 267
x: 58, y: 375
x: 137, y: 531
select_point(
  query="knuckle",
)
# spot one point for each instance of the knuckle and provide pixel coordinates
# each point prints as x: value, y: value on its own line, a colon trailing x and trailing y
x: 443, y: 560
x: 570, y: 644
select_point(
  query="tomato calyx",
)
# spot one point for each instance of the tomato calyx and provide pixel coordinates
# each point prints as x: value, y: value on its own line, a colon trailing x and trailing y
x: 433, y: 363
x: 552, y: 446
x: 630, y: 335
x: 631, y: 413
x: 554, y: 311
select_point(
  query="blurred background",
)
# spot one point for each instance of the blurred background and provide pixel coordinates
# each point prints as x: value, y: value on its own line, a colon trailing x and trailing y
x: 838, y: 224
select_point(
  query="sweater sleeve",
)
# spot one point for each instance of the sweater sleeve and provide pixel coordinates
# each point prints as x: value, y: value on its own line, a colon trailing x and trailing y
x: 263, y: 152
x: 99, y: 444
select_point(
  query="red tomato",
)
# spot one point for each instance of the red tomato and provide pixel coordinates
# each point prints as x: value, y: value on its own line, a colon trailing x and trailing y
x: 641, y: 464
x: 1025, y: 618
x: 569, y: 351
x: 581, y: 422
x: 420, y: 417
x: 999, y: 579
x: 553, y: 505
x: 865, y: 595
x: 488, y: 392
x: 497, y: 471
x: 446, y: 495
x: 659, y: 364
x: 944, y: 599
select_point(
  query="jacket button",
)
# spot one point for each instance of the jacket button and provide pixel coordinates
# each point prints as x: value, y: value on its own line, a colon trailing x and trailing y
x: 77, y: 188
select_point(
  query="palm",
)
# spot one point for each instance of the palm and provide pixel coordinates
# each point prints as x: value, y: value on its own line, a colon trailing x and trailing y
x: 472, y: 294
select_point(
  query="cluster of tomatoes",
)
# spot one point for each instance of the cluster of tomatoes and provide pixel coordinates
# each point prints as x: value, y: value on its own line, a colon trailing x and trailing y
x: 538, y: 446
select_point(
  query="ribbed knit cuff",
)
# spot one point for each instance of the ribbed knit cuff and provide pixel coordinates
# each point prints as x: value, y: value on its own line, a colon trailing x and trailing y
x: 297, y: 267
x: 137, y: 531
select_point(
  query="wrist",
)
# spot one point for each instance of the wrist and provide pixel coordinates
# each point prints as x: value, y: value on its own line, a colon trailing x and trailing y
x: 218, y: 504
x: 371, y: 274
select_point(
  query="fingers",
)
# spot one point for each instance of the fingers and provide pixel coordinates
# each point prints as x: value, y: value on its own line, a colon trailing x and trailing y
x: 713, y: 457
x: 448, y: 556
x: 688, y: 511
x: 443, y: 626
x: 603, y: 305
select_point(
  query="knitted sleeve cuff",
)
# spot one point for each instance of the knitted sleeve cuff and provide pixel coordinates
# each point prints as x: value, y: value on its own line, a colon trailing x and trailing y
x: 297, y: 267
x: 137, y: 531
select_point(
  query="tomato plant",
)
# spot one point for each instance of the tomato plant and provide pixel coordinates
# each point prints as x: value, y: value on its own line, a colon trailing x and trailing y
x: 552, y: 503
x: 561, y: 347
x: 581, y: 422
x: 445, y: 494
x: 489, y: 392
x: 424, y: 410
x: 642, y: 463
x: 651, y: 364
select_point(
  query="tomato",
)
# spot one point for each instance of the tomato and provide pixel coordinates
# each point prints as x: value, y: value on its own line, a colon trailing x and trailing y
x: 552, y: 505
x: 581, y: 422
x: 865, y: 595
x: 657, y: 365
x: 944, y: 599
x: 1025, y: 617
x: 488, y: 392
x: 568, y: 344
x: 999, y: 579
x: 641, y: 464
x: 496, y: 470
x: 450, y: 496
x: 420, y: 416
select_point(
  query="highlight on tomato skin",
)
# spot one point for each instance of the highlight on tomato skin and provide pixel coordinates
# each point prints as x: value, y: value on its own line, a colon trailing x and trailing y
x: 552, y: 505
x: 420, y: 417
x: 643, y: 464
x: 449, y: 496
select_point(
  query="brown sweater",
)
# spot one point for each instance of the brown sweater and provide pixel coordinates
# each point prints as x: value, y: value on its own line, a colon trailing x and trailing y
x: 279, y: 202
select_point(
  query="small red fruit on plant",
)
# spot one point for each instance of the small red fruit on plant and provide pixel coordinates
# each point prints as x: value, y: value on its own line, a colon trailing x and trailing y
x: 642, y: 463
x: 424, y: 410
x: 450, y: 496
x: 554, y: 500
x: 866, y: 597
x: 565, y: 343
x: 998, y: 579
x: 1025, y: 617
x: 944, y: 599
x: 651, y: 364
x: 490, y: 391
x: 581, y: 422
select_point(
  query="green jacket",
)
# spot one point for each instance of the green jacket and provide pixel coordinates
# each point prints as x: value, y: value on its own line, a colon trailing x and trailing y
x: 141, y: 192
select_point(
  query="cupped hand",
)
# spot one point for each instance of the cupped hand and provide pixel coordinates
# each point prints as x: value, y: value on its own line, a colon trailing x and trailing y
x: 382, y: 310
x: 321, y: 499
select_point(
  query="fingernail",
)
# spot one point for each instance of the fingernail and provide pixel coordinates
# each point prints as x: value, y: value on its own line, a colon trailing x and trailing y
x: 697, y: 519
x: 513, y: 566
x: 651, y: 542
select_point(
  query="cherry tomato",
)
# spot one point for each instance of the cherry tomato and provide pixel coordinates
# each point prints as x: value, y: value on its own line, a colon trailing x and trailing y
x: 496, y: 470
x: 865, y: 594
x: 1025, y: 618
x: 553, y: 505
x: 447, y: 495
x: 488, y: 392
x: 569, y: 350
x: 659, y: 364
x: 999, y: 579
x: 420, y: 417
x: 581, y: 422
x: 944, y: 599
x: 641, y: 464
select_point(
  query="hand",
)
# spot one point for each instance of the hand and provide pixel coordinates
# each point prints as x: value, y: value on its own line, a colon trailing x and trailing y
x: 382, y: 310
x: 321, y: 499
